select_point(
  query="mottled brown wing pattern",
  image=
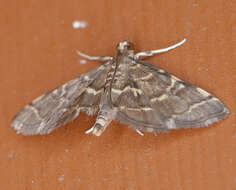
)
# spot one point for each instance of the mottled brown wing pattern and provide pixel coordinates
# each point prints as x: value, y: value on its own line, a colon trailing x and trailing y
x: 150, y: 99
x: 62, y: 104
x: 126, y: 89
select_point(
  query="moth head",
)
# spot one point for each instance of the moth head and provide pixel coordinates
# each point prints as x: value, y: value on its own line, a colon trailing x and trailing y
x: 125, y: 47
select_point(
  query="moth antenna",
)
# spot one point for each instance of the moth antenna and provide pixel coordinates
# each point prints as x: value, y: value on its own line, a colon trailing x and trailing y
x: 153, y: 52
x: 94, y: 58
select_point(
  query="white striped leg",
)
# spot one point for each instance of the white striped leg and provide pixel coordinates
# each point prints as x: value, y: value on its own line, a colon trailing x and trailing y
x: 94, y: 58
x: 139, y: 132
x: 153, y: 52
x: 99, y: 126
x: 105, y: 116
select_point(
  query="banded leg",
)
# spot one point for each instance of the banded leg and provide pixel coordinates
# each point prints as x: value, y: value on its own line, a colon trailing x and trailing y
x: 94, y: 58
x: 153, y: 52
x: 139, y: 132
x: 105, y: 115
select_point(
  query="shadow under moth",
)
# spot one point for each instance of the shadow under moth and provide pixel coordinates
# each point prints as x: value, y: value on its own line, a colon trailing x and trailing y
x: 127, y: 89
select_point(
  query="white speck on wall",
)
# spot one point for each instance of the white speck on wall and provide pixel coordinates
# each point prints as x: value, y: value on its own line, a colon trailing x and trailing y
x: 11, y: 155
x: 60, y: 178
x: 82, y: 61
x: 204, y: 28
x: 77, y: 179
x: 66, y: 150
x: 79, y: 24
x: 211, y: 134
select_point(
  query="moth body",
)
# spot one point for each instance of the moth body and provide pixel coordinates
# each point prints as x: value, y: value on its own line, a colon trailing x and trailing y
x: 127, y: 89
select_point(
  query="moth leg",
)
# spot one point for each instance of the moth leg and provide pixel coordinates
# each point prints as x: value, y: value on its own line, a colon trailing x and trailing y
x: 139, y: 132
x: 94, y: 58
x: 105, y: 115
x: 89, y: 130
x: 153, y: 52
x: 102, y: 121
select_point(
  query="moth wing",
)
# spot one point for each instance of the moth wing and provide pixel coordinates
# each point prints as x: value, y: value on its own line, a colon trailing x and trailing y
x: 153, y: 100
x: 62, y: 104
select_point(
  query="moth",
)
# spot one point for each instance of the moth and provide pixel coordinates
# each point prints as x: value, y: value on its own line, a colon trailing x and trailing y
x: 127, y: 89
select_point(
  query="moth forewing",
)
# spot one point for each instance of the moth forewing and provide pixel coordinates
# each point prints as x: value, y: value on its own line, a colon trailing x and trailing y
x: 62, y: 104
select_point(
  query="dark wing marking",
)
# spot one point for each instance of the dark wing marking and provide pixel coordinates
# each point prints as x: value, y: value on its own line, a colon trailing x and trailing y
x: 148, y: 98
x: 62, y: 104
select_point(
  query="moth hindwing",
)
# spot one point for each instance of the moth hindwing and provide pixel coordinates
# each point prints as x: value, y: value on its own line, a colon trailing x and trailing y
x: 126, y: 89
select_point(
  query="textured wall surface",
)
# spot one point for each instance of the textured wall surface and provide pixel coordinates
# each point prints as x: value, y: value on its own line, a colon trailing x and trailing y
x: 38, y: 52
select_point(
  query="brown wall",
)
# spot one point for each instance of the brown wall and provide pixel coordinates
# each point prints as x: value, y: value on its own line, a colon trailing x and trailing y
x: 38, y: 52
